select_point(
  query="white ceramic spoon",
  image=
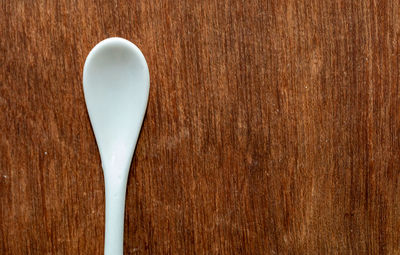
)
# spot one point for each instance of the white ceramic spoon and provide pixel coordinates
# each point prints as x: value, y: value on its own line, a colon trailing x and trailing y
x: 116, y: 87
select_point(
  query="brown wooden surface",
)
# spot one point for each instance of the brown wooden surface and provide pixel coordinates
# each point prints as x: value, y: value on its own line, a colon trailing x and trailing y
x: 272, y: 127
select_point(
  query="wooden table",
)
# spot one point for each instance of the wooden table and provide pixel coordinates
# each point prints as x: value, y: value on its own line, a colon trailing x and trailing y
x: 273, y: 127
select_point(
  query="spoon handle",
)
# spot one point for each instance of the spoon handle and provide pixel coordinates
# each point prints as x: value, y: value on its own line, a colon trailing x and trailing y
x: 115, y: 208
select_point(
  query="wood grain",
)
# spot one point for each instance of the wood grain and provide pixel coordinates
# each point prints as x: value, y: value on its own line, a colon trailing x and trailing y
x: 272, y: 127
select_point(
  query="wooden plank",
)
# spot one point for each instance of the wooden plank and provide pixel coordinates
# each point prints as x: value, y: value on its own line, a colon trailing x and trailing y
x: 272, y: 127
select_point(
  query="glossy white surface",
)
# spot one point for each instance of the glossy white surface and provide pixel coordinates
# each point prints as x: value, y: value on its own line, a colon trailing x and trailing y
x: 116, y: 87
